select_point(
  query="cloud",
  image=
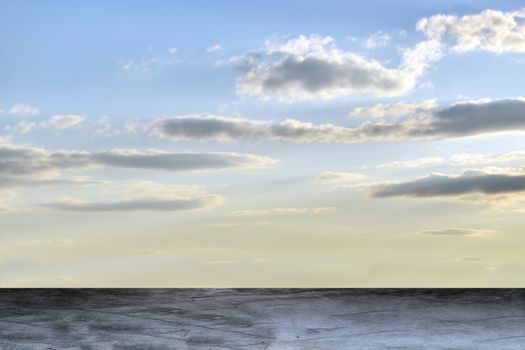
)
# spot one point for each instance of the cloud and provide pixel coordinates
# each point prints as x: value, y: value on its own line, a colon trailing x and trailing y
x: 399, y: 109
x: 475, y: 117
x: 158, y: 198
x: 56, y: 122
x: 214, y: 48
x: 413, y: 163
x: 104, y: 126
x: 459, y: 120
x: 19, y: 164
x: 468, y: 185
x: 489, y: 30
x: 282, y: 211
x: 237, y: 129
x: 23, y: 110
x: 61, y: 122
x: 313, y: 67
x: 339, y: 178
x: 147, y: 64
x: 219, y: 128
x: 22, y: 127
x: 141, y: 204
x: 377, y: 40
x: 457, y: 232
x: 465, y: 159
x: 5, y: 196
x: 160, y: 160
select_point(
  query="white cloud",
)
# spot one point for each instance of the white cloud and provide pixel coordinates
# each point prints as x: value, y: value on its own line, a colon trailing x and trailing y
x: 282, y: 211
x: 399, y: 109
x: 127, y: 65
x: 173, y: 50
x: 61, y: 122
x: 23, y: 110
x: 403, y: 164
x: 6, y: 139
x: 377, y: 40
x: 56, y: 122
x: 104, y: 126
x: 489, y: 30
x: 457, y: 232
x: 146, y: 64
x: 152, y: 198
x: 465, y: 159
x: 339, y: 178
x: 314, y: 67
x: 214, y: 48
x: 22, y: 127
x: 5, y: 196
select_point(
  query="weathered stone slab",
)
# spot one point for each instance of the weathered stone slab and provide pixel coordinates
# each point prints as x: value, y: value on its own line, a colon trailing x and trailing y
x: 151, y: 319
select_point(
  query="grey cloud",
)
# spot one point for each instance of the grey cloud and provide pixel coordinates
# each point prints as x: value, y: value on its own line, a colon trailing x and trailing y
x: 315, y: 75
x: 312, y: 67
x: 437, y: 185
x: 235, y: 129
x: 23, y: 164
x: 162, y: 160
x: 458, y: 232
x: 461, y: 119
x: 471, y: 118
x: 138, y: 204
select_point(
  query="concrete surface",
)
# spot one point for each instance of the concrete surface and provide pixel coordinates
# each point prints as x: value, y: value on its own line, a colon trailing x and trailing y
x: 154, y: 319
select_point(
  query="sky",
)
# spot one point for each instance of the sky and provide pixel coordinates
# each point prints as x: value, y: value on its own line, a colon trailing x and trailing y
x: 262, y: 144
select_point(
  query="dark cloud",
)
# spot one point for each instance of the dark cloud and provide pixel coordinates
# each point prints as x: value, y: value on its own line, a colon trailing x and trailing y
x: 471, y: 118
x: 29, y: 164
x: 461, y: 119
x: 436, y: 185
x: 171, y: 161
x: 236, y: 129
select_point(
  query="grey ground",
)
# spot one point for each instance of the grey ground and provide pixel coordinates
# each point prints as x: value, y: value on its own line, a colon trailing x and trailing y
x: 154, y: 319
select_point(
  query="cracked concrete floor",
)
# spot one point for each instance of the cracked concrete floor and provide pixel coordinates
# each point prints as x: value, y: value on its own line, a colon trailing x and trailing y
x: 151, y: 319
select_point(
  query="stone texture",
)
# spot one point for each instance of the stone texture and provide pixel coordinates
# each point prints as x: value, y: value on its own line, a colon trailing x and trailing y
x: 151, y: 319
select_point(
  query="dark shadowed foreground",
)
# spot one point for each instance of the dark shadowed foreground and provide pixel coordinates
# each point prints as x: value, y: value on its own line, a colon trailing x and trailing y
x: 151, y: 319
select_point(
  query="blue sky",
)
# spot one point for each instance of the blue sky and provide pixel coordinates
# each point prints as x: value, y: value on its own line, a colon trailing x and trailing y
x: 202, y: 132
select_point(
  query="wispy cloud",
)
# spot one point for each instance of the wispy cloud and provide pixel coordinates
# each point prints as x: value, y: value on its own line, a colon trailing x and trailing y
x: 457, y: 232
x: 23, y: 110
x: 214, y: 48
x: 377, y: 40
x: 464, y: 159
x: 56, y: 122
x: 339, y: 178
x: 282, y: 211
x: 63, y: 121
x: 399, y: 109
x: 164, y: 198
